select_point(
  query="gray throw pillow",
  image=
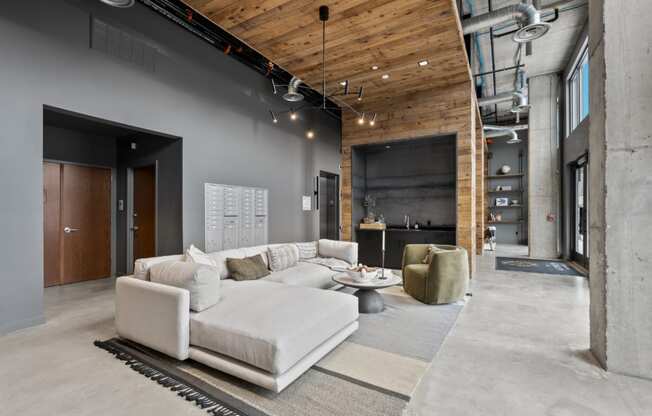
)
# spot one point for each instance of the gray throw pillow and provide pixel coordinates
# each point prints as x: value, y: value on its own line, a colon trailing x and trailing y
x: 249, y: 268
x: 283, y: 257
x: 202, y: 281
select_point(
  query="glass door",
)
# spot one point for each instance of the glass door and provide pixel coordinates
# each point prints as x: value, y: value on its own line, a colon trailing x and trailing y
x: 580, y: 234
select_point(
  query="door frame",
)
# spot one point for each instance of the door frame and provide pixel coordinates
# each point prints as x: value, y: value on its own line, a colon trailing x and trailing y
x: 113, y: 219
x: 129, y: 258
x: 579, y: 163
x: 326, y: 174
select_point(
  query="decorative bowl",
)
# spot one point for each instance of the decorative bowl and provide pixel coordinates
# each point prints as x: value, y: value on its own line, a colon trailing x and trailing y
x: 362, y: 276
x: 505, y: 169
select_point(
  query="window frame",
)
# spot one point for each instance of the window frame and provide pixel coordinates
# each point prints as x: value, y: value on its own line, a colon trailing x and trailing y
x: 575, y: 105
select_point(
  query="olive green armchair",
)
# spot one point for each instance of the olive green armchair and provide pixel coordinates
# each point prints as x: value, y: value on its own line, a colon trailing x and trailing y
x: 444, y: 279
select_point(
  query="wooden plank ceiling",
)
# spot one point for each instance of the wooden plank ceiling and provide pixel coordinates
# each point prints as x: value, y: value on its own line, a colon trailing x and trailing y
x: 392, y: 34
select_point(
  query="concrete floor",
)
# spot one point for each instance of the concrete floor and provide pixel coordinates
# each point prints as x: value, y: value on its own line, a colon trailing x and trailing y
x: 519, y: 348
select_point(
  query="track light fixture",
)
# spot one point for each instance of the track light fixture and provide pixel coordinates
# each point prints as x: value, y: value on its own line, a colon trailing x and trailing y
x: 385, y: 76
x: 294, y: 93
x: 423, y: 63
x: 119, y: 3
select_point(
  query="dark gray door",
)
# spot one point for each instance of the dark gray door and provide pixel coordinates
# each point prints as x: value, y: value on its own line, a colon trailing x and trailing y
x: 329, y: 205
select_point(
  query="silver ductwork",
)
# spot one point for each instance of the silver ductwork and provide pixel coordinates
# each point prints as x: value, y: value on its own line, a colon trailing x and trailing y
x: 293, y: 95
x: 499, y: 131
x: 119, y: 3
x: 496, y: 99
x: 526, y: 14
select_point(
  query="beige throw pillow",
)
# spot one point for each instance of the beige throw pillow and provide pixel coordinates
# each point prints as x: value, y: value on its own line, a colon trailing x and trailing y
x: 202, y: 281
x: 195, y: 255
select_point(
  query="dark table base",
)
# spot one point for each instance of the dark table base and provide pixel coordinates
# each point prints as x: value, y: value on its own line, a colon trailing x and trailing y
x: 369, y: 301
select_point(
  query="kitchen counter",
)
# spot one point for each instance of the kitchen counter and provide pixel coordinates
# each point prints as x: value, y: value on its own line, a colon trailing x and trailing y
x: 396, y: 238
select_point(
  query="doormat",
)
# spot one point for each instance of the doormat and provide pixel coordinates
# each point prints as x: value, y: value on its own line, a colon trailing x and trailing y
x: 535, y: 266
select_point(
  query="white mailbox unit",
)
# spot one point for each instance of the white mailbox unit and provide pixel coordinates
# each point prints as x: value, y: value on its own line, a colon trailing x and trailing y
x: 235, y: 216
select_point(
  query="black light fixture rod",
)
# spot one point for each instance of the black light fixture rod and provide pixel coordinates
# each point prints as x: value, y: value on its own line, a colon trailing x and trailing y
x: 323, y: 16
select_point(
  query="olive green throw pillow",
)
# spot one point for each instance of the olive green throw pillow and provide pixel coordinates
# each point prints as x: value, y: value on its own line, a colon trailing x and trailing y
x: 248, y: 268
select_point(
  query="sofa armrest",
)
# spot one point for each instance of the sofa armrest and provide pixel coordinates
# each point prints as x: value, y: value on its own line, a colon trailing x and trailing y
x: 343, y: 250
x: 154, y: 315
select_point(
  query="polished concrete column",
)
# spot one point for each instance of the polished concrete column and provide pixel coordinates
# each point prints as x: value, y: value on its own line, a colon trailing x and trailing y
x: 543, y: 162
x: 620, y: 195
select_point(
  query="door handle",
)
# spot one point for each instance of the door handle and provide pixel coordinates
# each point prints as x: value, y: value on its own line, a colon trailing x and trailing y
x: 69, y: 230
x: 134, y: 228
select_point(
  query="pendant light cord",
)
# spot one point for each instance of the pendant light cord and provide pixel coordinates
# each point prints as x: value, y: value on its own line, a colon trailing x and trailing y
x: 323, y: 62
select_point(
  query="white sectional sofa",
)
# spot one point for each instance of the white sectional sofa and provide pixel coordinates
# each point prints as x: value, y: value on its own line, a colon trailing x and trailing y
x: 267, y: 331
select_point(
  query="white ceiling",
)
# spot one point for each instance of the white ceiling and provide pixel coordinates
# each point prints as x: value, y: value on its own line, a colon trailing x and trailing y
x: 549, y: 53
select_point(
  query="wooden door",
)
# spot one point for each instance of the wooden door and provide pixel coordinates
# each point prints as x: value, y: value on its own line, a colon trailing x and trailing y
x: 85, y: 223
x: 51, y: 224
x: 144, y: 221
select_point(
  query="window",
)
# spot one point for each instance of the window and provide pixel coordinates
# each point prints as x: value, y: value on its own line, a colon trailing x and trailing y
x: 578, y: 91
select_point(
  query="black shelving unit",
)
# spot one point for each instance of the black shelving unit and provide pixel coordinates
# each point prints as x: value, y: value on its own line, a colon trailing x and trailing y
x: 522, y: 213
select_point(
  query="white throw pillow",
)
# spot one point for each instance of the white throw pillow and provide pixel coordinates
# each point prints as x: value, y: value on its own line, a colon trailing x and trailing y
x: 142, y: 265
x: 195, y: 255
x: 283, y: 257
x: 343, y: 250
x: 307, y: 250
x: 202, y: 281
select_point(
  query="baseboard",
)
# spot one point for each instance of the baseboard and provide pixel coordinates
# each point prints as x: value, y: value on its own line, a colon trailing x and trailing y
x: 22, y: 324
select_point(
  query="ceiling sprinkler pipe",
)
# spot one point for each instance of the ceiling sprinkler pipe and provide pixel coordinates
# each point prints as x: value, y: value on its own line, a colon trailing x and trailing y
x: 528, y: 15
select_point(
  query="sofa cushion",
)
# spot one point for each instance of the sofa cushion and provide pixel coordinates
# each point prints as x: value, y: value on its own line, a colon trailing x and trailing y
x: 142, y: 266
x: 195, y: 255
x: 307, y: 250
x: 249, y: 268
x: 304, y: 274
x: 202, y: 281
x: 342, y: 250
x: 282, y: 257
x: 277, y: 326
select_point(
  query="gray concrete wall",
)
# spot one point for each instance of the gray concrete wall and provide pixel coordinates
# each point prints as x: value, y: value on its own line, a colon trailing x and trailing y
x: 543, y: 159
x: 217, y: 106
x: 621, y: 185
x: 508, y: 154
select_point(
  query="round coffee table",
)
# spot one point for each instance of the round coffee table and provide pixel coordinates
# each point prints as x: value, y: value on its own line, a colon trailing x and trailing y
x: 369, y: 300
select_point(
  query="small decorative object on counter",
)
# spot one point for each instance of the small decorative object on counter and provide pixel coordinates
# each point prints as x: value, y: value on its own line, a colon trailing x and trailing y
x: 499, y: 216
x: 505, y: 169
x: 416, y: 225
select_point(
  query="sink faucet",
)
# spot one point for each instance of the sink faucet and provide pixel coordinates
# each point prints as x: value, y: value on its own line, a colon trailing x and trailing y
x: 406, y: 220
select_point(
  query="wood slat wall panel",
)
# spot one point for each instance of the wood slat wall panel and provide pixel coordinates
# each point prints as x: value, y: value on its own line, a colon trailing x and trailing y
x: 456, y: 115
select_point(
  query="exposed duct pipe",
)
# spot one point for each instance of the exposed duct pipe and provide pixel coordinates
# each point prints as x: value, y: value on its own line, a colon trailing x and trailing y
x: 499, y: 131
x: 528, y: 15
x: 293, y: 94
x: 497, y: 99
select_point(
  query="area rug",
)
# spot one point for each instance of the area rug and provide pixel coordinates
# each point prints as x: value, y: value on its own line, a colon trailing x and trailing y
x: 535, y: 266
x: 374, y: 372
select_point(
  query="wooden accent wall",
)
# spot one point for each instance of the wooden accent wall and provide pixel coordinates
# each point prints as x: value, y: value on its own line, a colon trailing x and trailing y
x: 480, y: 195
x: 421, y: 114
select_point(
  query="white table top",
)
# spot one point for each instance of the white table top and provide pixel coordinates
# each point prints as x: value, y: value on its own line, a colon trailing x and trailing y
x: 391, y: 279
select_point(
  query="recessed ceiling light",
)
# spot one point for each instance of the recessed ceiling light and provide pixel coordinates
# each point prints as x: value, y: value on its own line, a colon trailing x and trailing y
x: 374, y: 67
x: 385, y: 76
x: 342, y: 83
x: 423, y: 63
x: 310, y: 134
